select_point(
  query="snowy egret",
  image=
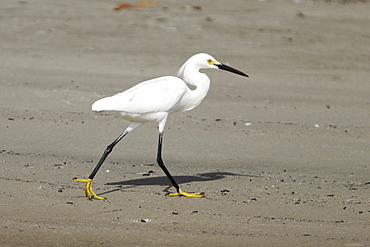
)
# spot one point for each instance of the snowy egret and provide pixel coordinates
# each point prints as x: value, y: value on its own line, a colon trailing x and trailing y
x: 153, y: 101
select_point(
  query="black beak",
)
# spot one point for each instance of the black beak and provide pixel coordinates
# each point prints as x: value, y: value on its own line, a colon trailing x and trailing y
x: 228, y: 68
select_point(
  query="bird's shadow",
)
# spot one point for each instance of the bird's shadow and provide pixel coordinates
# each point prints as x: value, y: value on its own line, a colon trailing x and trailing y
x: 163, y: 180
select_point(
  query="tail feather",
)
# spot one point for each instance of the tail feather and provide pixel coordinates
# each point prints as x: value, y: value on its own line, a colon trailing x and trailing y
x: 105, y: 104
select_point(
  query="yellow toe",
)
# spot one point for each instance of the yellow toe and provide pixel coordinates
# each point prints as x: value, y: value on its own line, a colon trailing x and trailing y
x: 88, y: 189
x: 187, y: 194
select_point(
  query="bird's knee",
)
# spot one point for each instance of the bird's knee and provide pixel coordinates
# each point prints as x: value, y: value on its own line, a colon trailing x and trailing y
x: 108, y: 150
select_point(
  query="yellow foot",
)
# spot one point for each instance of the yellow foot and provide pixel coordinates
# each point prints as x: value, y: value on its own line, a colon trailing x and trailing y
x: 186, y: 194
x: 88, y: 189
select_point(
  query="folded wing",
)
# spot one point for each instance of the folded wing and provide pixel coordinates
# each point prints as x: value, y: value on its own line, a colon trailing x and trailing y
x: 157, y: 95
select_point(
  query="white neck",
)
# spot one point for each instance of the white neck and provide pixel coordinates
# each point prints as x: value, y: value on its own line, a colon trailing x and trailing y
x: 200, y: 81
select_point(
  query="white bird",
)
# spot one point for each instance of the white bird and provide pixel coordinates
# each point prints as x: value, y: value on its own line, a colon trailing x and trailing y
x: 153, y: 101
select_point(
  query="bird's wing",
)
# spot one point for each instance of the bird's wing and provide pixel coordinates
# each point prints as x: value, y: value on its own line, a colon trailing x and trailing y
x: 157, y: 95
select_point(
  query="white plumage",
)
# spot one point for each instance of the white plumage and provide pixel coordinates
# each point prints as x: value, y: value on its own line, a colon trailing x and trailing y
x: 154, y: 99
x: 156, y: 95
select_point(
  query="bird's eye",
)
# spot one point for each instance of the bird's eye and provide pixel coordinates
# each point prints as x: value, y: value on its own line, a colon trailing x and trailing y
x: 210, y: 61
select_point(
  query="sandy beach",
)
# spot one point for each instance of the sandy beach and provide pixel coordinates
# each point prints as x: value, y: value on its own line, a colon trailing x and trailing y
x: 282, y: 156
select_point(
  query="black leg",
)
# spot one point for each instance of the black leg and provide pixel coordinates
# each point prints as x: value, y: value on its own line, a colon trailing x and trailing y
x: 160, y: 162
x: 107, y: 151
x: 88, y: 187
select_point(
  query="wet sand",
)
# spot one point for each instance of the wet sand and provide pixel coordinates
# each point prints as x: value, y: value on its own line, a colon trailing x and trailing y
x: 283, y: 156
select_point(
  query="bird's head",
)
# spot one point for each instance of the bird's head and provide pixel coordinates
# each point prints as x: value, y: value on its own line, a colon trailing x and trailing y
x: 205, y: 61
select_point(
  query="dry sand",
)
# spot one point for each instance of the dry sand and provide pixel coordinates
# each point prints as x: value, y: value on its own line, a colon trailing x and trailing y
x: 297, y: 175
